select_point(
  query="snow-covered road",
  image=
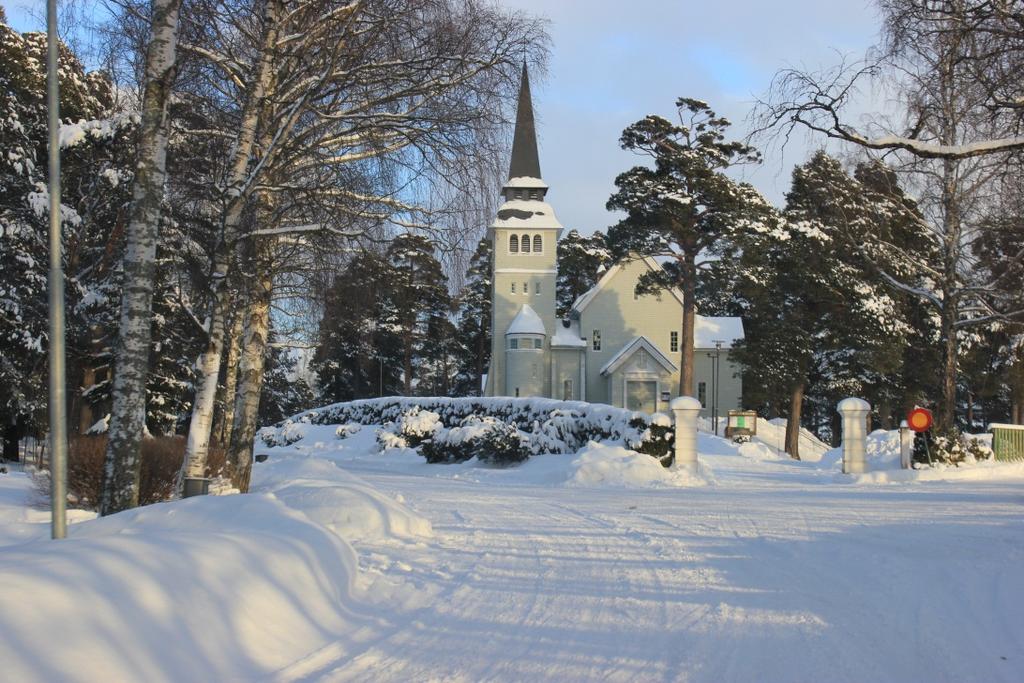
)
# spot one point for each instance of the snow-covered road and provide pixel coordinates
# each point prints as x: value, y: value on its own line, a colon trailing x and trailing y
x: 775, y: 573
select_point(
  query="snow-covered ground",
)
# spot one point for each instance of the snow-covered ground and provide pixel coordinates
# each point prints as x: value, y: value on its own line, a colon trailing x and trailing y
x: 351, y: 565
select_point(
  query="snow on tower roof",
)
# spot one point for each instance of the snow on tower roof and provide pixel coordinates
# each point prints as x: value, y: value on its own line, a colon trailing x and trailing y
x: 526, y: 322
x: 526, y: 213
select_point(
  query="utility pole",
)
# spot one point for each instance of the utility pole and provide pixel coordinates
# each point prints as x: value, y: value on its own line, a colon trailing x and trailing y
x: 58, y: 405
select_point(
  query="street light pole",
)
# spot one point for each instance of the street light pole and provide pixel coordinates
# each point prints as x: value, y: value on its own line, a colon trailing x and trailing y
x: 714, y: 393
x: 58, y: 405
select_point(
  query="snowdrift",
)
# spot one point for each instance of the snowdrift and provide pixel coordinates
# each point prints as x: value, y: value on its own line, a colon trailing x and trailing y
x: 202, y: 589
x: 604, y: 465
x: 339, y: 501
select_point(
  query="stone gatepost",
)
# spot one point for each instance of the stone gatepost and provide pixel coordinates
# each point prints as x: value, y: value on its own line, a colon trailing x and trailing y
x: 854, y: 412
x: 685, y: 410
x: 906, y: 446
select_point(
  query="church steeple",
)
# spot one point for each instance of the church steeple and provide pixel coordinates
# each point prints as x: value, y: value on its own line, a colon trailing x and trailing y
x: 524, y: 168
x: 525, y: 160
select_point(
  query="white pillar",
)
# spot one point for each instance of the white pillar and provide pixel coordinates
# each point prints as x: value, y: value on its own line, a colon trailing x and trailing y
x: 685, y: 410
x: 854, y: 412
x: 906, y: 445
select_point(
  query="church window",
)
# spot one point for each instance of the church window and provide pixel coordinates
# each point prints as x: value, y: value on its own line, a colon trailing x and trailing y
x: 536, y: 287
x: 537, y: 244
x: 525, y: 240
x: 513, y: 344
x: 642, y: 360
x: 513, y: 244
x: 702, y: 392
x: 513, y: 288
x: 537, y: 343
x: 673, y: 338
x: 596, y: 340
x: 567, y: 390
x: 517, y: 392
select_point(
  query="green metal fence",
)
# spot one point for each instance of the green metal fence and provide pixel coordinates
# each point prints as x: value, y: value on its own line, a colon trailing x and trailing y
x: 1008, y: 441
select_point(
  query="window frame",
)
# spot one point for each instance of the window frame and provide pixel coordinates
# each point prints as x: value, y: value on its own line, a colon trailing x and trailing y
x: 595, y: 340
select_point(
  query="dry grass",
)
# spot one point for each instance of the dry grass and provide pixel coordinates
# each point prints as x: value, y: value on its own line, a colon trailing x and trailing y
x: 161, y: 461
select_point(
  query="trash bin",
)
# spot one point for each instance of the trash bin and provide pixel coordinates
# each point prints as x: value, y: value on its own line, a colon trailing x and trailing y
x: 195, y: 486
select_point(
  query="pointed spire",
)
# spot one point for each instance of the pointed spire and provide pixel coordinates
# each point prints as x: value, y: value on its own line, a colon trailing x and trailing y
x: 525, y: 160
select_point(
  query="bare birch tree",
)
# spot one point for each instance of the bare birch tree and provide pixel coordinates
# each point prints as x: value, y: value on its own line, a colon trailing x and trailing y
x: 131, y: 364
x: 333, y: 92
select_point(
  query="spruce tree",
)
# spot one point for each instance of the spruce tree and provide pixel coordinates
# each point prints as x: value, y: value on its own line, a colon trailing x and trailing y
x: 474, y: 323
x: 415, y: 298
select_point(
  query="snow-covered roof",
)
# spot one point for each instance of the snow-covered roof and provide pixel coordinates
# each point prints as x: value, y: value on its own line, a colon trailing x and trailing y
x: 568, y: 336
x: 526, y: 213
x: 709, y: 330
x: 526, y: 182
x: 526, y: 322
x: 629, y: 349
x: 583, y: 300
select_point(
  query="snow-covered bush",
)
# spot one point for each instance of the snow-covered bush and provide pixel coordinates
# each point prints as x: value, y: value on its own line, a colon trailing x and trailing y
x: 954, y: 450
x: 655, y: 438
x: 487, y: 438
x: 286, y: 433
x: 549, y: 425
x: 346, y: 430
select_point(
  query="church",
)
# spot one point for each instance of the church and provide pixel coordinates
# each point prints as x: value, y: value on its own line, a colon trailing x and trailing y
x: 616, y: 346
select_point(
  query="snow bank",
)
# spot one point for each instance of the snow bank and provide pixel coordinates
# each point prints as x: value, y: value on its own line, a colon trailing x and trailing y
x: 882, y: 451
x: 608, y: 465
x: 20, y: 521
x: 340, y: 501
x: 755, y: 450
x: 986, y: 470
x: 209, y: 588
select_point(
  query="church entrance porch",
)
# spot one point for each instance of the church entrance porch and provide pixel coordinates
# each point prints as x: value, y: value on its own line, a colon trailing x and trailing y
x: 642, y: 395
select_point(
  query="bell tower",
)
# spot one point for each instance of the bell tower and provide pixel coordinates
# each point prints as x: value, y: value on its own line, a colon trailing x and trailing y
x: 524, y: 236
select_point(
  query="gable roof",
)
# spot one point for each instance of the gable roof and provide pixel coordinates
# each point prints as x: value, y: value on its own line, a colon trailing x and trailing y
x: 632, y: 347
x: 526, y: 322
x: 584, y: 299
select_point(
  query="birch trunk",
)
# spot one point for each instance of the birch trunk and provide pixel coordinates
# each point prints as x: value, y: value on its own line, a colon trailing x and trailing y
x: 796, y: 408
x: 250, y: 379
x: 222, y: 430
x: 198, y: 443
x: 131, y: 362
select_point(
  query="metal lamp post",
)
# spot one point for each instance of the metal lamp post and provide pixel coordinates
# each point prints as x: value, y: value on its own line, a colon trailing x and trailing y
x: 58, y: 406
x: 715, y: 364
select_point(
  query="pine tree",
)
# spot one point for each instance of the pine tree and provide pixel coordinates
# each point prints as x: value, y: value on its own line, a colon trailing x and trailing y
x: 581, y: 261
x: 685, y: 206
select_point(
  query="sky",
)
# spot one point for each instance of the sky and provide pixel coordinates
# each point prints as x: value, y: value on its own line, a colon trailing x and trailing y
x: 615, y: 61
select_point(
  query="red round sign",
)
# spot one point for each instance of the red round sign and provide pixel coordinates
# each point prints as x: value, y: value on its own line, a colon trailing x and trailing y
x: 919, y: 419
